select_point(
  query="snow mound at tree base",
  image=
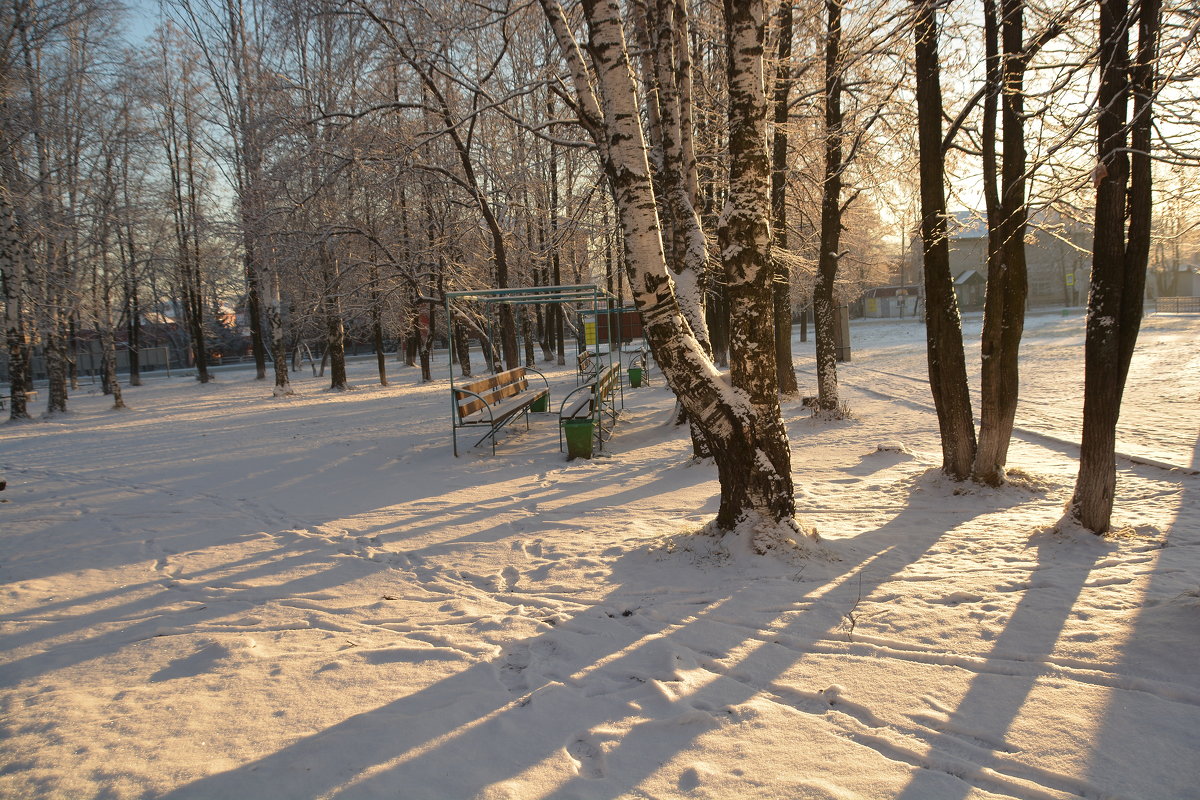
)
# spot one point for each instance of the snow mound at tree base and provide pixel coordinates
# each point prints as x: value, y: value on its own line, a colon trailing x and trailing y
x: 786, y: 541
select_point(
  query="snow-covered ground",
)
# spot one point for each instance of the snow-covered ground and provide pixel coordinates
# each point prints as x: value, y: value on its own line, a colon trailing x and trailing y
x: 217, y: 594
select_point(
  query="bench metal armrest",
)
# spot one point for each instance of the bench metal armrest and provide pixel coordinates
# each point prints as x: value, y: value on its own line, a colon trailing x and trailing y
x: 543, y: 377
x: 458, y: 417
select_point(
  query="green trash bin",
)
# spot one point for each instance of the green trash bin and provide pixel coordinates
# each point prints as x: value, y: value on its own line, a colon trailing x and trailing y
x: 579, y: 438
x: 635, y: 377
x: 541, y: 405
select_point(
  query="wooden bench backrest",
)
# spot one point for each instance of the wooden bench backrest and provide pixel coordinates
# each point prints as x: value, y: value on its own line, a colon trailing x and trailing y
x: 607, y: 381
x: 492, y: 389
x: 586, y: 364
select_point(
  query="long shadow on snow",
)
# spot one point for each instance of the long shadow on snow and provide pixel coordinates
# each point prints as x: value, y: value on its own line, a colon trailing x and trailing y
x: 970, y: 746
x: 1142, y: 722
x: 502, y: 715
x: 132, y: 623
x: 140, y: 617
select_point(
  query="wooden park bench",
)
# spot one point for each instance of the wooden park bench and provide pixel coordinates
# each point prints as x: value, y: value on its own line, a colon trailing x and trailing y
x: 495, y: 401
x: 593, y: 401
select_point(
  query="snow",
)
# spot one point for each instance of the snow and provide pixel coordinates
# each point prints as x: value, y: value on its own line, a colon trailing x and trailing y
x: 221, y: 594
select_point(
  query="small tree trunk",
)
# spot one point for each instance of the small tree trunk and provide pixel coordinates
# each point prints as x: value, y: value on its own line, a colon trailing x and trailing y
x: 108, y: 364
x: 335, y: 330
x: 56, y: 367
x: 426, y: 348
x: 254, y: 306
x: 527, y: 339
x: 824, y: 305
x: 279, y: 357
x: 462, y: 345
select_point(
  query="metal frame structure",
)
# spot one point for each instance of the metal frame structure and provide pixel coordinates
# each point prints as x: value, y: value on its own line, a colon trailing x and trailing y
x: 602, y: 302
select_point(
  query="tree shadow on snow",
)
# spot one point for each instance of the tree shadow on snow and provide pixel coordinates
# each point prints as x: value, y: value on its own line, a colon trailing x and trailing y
x: 601, y: 701
x: 1150, y: 718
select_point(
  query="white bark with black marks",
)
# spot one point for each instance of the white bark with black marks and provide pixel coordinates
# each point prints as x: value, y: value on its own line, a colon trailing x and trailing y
x: 748, y: 441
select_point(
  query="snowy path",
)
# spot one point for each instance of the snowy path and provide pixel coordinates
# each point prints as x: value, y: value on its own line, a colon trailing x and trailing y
x: 221, y: 595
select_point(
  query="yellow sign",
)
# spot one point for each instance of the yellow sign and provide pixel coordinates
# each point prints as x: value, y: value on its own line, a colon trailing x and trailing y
x: 1070, y: 279
x: 589, y: 333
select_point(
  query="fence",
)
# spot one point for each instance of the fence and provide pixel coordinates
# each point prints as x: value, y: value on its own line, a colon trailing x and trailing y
x: 1178, y: 305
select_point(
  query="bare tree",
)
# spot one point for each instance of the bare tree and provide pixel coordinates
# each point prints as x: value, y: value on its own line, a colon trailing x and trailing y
x: 947, y: 364
x: 1121, y: 244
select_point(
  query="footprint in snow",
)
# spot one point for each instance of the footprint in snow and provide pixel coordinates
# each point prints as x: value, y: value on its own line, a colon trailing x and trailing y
x: 511, y: 576
x: 587, y: 756
x: 511, y: 667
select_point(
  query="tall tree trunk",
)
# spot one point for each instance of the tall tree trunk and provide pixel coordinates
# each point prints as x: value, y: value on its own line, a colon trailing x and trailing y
x: 1007, y: 282
x: 947, y: 364
x: 131, y: 306
x: 13, y: 264
x: 824, y: 305
x: 54, y: 290
x: 671, y: 127
x: 748, y: 275
x: 1119, y: 254
x: 559, y: 328
x: 782, y: 283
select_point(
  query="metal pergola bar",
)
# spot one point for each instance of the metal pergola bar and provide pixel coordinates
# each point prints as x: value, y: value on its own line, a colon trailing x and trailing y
x: 602, y: 301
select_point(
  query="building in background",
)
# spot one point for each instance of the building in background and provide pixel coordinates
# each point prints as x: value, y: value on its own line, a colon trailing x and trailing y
x: 1057, y: 255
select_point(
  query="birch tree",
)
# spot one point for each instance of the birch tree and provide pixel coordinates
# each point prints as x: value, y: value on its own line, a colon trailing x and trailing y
x: 741, y: 423
x: 14, y: 266
x: 15, y: 252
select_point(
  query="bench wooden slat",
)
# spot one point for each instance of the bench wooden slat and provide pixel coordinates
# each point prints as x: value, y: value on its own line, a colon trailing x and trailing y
x: 579, y: 409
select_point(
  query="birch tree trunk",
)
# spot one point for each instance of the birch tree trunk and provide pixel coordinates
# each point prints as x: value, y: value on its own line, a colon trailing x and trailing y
x: 782, y: 283
x: 742, y: 424
x: 13, y: 265
x: 764, y: 458
x: 687, y: 252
